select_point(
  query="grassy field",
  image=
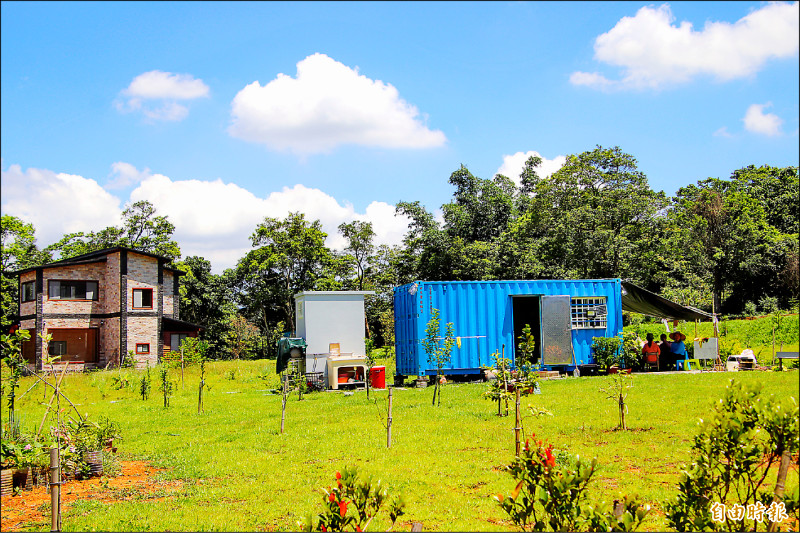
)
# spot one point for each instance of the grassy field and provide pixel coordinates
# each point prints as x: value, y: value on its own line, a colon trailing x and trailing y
x: 241, y: 474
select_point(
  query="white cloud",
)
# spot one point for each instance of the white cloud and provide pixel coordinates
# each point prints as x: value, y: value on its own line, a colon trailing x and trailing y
x: 215, y: 219
x: 722, y: 132
x: 212, y: 219
x: 57, y: 203
x: 149, y: 89
x: 653, y: 52
x: 513, y: 164
x: 155, y: 85
x: 756, y: 121
x: 327, y: 105
x: 124, y: 175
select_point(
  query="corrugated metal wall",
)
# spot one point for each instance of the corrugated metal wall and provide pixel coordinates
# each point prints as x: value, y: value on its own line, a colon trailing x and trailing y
x: 482, y: 315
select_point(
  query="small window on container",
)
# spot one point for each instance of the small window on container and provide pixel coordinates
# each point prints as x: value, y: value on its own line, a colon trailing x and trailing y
x: 142, y: 348
x: 589, y: 313
x: 142, y: 298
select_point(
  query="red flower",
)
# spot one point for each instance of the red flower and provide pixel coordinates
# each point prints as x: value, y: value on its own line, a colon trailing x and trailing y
x: 338, y: 475
x: 332, y: 497
x: 323, y: 527
x: 342, y: 509
x: 358, y: 528
x: 551, y: 461
x: 339, y: 483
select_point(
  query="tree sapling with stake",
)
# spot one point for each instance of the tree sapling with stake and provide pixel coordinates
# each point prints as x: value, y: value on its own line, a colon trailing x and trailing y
x: 166, y: 385
x: 438, y: 349
x: 144, y: 383
x: 617, y: 389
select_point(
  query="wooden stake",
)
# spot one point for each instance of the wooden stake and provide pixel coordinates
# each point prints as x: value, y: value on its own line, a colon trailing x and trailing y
x: 505, y: 379
x: 516, y: 424
x: 55, y: 490
x: 389, y: 421
x: 181, y: 367
x: 283, y: 407
x: 773, y: 345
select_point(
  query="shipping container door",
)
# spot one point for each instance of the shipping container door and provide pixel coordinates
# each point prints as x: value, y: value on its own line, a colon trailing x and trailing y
x: 556, y: 330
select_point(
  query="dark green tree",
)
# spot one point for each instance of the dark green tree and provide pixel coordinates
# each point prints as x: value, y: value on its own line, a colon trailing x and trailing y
x: 725, y: 241
x: 596, y: 212
x: 207, y: 300
x: 18, y: 250
x: 289, y: 256
x: 359, y: 237
x: 141, y: 230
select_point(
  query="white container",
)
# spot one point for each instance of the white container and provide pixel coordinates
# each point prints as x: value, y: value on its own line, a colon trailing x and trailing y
x: 736, y: 363
x: 351, y: 368
x: 323, y: 318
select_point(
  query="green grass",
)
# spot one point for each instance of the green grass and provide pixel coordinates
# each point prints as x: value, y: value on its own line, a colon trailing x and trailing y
x: 242, y: 475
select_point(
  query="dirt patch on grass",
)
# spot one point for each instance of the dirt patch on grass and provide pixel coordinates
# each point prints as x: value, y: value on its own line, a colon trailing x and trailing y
x: 32, y: 508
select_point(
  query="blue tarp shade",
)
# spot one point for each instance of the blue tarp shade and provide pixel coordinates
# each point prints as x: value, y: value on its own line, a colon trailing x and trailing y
x: 285, y: 345
x: 638, y: 300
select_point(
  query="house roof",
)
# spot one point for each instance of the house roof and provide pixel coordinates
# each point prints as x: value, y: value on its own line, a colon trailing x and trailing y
x: 172, y: 324
x: 97, y: 256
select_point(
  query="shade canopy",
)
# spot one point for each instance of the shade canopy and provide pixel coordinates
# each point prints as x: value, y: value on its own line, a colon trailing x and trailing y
x: 638, y: 300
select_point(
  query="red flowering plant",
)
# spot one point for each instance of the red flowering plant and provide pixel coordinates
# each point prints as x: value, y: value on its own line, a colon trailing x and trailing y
x: 352, y: 504
x: 551, y: 495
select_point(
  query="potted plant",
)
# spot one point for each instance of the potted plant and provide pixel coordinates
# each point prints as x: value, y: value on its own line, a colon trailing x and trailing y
x: 26, y: 456
x: 606, y: 353
x: 8, y: 461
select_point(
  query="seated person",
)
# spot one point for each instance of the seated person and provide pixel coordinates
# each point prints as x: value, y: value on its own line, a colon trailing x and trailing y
x: 677, y: 346
x: 666, y: 352
x: 651, y: 350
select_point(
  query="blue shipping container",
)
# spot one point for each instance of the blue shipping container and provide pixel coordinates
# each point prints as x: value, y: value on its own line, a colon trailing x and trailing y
x: 564, y: 316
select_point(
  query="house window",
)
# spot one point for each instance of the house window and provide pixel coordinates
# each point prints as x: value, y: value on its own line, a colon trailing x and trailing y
x: 175, y: 341
x: 28, y: 292
x: 142, y: 298
x: 72, y: 290
x: 57, y: 348
x: 142, y: 348
x: 589, y: 313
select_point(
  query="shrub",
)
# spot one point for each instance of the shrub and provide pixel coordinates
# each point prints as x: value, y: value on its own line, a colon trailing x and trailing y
x: 551, y: 495
x: 732, y: 454
x: 352, y: 503
x: 606, y: 351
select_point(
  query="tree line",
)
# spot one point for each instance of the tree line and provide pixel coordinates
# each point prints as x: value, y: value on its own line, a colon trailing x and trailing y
x: 728, y: 245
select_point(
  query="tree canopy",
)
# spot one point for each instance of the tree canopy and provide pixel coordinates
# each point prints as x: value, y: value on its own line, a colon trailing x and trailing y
x: 719, y: 243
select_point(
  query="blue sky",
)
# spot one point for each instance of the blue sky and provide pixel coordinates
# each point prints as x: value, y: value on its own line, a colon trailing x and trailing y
x: 224, y: 113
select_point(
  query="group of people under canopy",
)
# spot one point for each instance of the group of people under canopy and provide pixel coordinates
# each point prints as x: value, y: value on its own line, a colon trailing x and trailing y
x: 665, y: 353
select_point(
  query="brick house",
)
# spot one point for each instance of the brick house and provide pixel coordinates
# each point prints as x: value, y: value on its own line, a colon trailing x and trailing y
x: 102, y: 304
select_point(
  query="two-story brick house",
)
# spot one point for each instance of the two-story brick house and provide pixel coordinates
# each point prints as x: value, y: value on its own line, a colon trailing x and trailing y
x: 102, y: 304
